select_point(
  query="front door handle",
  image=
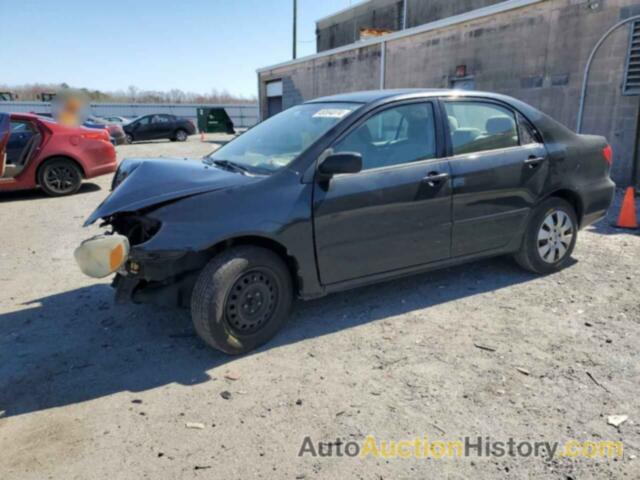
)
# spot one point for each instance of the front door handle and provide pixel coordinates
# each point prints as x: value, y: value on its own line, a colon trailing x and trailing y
x: 534, y: 161
x: 434, y: 178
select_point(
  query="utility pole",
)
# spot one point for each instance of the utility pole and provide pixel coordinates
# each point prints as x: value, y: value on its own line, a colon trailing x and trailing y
x: 295, y: 28
x: 404, y: 14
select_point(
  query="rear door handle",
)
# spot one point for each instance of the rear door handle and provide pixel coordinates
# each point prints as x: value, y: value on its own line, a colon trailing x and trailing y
x: 434, y: 178
x: 533, y: 162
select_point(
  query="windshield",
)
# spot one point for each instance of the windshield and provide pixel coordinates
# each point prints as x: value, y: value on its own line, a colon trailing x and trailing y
x: 274, y: 143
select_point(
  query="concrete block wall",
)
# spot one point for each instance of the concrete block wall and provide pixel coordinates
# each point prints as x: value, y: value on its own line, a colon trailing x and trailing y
x: 350, y: 71
x: 535, y: 53
x: 344, y: 27
x: 420, y: 12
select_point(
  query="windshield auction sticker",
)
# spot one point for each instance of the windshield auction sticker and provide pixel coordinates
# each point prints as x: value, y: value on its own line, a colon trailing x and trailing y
x: 479, y: 447
x: 331, y: 113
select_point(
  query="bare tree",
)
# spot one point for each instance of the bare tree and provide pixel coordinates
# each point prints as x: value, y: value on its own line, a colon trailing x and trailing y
x: 31, y: 92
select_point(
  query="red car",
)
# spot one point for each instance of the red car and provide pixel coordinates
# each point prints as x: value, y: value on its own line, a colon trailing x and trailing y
x: 36, y: 151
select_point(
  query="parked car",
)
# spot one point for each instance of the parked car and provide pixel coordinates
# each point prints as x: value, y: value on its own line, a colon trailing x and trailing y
x: 116, y: 132
x: 116, y: 119
x: 346, y: 191
x: 158, y: 126
x: 44, y: 153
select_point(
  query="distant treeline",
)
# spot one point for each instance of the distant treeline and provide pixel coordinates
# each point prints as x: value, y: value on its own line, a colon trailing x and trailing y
x: 133, y: 94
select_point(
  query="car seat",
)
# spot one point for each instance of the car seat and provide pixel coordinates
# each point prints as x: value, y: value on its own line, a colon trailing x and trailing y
x: 464, y: 136
x: 453, y: 124
x: 420, y: 143
x: 360, y: 141
x: 500, y: 125
x: 502, y: 130
x: 12, y: 170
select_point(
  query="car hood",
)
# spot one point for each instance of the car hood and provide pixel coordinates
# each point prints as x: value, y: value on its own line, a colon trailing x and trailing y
x: 150, y: 182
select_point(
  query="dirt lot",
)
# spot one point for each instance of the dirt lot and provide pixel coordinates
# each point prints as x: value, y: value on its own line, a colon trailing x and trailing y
x: 90, y: 390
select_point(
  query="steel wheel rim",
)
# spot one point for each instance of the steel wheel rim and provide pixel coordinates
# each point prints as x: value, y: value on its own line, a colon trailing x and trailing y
x: 181, y: 136
x: 555, y: 236
x: 61, y: 178
x: 251, y: 302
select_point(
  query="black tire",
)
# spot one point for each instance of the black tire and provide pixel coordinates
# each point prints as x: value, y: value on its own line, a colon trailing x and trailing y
x: 249, y: 282
x: 530, y: 256
x: 59, y: 177
x: 181, y: 135
x: 128, y: 139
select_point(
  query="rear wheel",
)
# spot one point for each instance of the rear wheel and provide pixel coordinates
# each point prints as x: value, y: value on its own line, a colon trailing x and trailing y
x: 181, y: 136
x: 241, y: 299
x: 58, y: 177
x: 550, y: 237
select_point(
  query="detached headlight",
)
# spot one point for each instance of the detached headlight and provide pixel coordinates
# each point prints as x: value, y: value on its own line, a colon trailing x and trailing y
x: 103, y: 255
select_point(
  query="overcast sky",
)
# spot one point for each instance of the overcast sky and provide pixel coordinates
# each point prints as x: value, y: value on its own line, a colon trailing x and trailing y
x: 193, y: 45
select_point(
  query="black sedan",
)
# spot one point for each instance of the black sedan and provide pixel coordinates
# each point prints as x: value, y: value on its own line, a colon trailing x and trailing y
x: 159, y: 126
x: 341, y: 192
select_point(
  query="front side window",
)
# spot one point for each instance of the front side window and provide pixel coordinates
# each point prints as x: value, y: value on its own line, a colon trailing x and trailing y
x: 477, y: 127
x: 395, y: 136
x: 276, y: 142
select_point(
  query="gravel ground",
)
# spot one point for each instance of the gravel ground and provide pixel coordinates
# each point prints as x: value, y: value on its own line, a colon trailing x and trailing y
x: 90, y: 390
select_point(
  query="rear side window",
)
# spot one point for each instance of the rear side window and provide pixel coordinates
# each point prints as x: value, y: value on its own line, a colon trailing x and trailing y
x: 395, y: 136
x: 478, y: 127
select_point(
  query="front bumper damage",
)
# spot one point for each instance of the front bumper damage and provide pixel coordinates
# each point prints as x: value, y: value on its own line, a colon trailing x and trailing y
x: 160, y: 278
x: 164, y: 277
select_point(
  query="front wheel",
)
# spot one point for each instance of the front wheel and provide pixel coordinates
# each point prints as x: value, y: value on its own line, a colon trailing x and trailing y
x: 241, y: 299
x: 58, y: 177
x: 128, y: 139
x: 550, y: 237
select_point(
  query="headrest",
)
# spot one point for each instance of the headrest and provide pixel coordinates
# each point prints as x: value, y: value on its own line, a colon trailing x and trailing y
x: 500, y: 125
x: 453, y: 123
x: 418, y: 128
x: 364, y: 134
x: 462, y: 136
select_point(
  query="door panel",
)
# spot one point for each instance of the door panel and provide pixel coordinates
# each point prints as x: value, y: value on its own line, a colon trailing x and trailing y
x: 382, y: 220
x: 5, y: 131
x: 143, y: 129
x: 389, y: 216
x: 21, y: 133
x: 498, y: 171
x: 163, y: 126
x: 493, y: 193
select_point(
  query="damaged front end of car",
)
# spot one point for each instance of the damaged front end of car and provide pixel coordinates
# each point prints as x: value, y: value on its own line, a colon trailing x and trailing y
x: 159, y: 277
x: 149, y: 269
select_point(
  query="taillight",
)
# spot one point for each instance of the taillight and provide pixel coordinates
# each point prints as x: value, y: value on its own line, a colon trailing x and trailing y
x: 607, y: 153
x: 97, y: 135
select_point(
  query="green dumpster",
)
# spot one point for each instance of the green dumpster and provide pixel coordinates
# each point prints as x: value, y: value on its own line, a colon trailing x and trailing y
x: 214, y: 120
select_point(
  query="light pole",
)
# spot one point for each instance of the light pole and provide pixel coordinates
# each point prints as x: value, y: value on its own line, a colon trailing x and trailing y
x: 295, y: 28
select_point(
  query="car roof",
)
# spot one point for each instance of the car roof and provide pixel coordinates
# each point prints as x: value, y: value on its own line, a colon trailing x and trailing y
x: 371, y: 96
x: 25, y: 116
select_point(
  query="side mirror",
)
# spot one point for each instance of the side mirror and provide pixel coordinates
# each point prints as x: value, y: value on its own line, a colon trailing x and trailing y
x: 347, y: 162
